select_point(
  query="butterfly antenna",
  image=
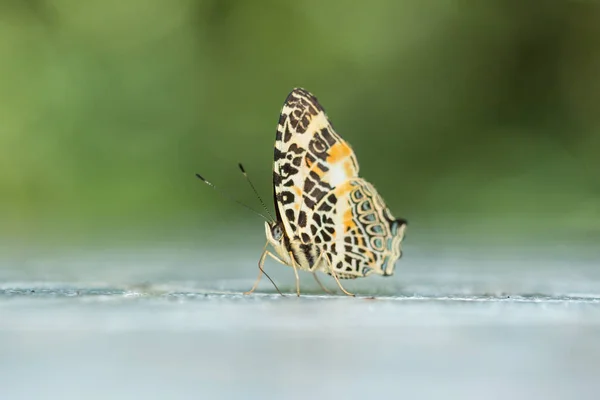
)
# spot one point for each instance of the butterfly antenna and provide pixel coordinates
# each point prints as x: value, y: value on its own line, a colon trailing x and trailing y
x: 231, y: 198
x: 255, y: 192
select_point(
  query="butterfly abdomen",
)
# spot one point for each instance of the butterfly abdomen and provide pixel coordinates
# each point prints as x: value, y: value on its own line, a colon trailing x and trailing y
x: 305, y: 254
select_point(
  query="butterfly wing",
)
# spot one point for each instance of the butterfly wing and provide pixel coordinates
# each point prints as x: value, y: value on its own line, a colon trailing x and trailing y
x: 355, y: 229
x: 310, y: 161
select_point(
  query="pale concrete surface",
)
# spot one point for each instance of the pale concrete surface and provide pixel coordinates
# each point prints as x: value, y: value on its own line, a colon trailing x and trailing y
x: 173, y: 324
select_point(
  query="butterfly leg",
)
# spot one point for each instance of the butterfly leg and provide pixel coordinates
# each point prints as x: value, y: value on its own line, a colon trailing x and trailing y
x: 261, y: 263
x: 337, y: 279
x: 320, y: 284
x: 295, y: 273
x: 314, y: 272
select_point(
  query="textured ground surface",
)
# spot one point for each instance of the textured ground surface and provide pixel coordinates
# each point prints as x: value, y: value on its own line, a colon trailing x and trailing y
x: 166, y: 324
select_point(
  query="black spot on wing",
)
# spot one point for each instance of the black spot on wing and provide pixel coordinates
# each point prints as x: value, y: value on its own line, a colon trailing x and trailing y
x: 278, y: 154
x: 294, y: 148
x: 323, y: 167
x: 286, y: 198
x: 276, y: 179
x: 304, y: 125
x: 288, y: 170
x: 289, y: 214
x: 318, y: 194
x: 302, y: 219
x: 318, y: 147
x: 316, y: 218
x: 327, y: 136
x: 307, y: 104
x: 310, y: 203
x: 308, y: 185
x: 287, y: 134
x: 299, y: 119
x: 314, y: 176
x: 325, y: 207
x: 305, y: 238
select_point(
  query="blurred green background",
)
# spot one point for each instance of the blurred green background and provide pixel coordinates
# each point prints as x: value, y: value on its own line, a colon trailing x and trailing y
x: 471, y: 118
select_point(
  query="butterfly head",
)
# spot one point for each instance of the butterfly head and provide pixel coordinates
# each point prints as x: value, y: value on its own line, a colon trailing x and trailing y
x: 274, y: 232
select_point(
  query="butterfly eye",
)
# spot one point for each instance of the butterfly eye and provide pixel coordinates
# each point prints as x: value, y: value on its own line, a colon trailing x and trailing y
x: 277, y: 232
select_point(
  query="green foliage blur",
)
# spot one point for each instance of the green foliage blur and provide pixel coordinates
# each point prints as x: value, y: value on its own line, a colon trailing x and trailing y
x: 467, y: 116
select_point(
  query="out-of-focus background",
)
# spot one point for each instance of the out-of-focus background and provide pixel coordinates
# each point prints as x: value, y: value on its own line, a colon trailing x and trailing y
x: 477, y: 119
x: 121, y: 273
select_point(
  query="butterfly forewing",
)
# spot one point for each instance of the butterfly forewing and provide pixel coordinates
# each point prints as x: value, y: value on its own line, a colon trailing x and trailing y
x: 310, y: 160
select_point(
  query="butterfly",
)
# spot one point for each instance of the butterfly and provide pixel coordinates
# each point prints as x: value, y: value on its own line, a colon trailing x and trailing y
x: 328, y: 218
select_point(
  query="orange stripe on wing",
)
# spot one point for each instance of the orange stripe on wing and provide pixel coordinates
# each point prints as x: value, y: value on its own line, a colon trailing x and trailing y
x: 297, y: 190
x: 349, y: 168
x: 341, y: 192
x: 348, y: 221
x: 338, y: 152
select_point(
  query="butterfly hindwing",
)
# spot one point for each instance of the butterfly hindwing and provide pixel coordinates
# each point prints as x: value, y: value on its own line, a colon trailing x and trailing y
x: 359, y: 234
